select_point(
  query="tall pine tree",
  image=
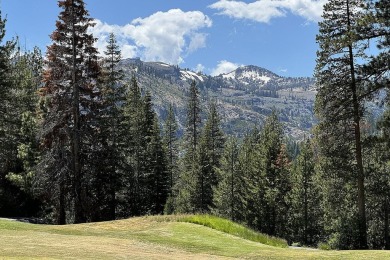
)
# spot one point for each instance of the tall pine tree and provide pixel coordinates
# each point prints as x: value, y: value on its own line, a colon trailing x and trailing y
x: 185, y: 189
x: 107, y: 178
x: 72, y: 103
x: 338, y: 103
x: 209, y: 155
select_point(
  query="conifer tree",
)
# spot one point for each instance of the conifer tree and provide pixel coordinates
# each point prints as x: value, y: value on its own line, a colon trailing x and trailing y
x: 305, y: 216
x: 251, y: 193
x: 209, y: 155
x: 193, y: 122
x: 19, y: 80
x: 158, y: 178
x: 227, y: 194
x: 108, y: 179
x: 7, y: 152
x: 133, y: 150
x: 186, y: 196
x: 378, y: 150
x: 265, y: 167
x: 338, y: 104
x: 26, y: 74
x: 72, y: 102
x: 171, y: 145
x: 273, y: 164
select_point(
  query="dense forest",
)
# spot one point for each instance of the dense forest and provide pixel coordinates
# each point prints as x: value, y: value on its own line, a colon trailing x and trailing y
x: 79, y: 144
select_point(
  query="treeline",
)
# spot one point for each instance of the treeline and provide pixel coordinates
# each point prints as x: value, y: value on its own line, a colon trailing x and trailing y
x: 77, y: 144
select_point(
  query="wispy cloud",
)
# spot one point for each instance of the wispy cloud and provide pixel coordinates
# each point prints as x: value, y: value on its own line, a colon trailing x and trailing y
x: 224, y: 67
x: 265, y: 10
x: 199, y: 68
x: 163, y: 36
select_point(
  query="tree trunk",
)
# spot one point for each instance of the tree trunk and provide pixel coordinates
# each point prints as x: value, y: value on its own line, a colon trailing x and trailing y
x: 386, y: 231
x: 358, y: 146
x: 61, y: 218
x: 79, y: 214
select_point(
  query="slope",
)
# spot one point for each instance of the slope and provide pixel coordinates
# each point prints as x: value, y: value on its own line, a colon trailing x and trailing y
x: 145, y: 238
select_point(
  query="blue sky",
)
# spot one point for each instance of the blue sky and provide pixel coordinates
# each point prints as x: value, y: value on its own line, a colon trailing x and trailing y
x: 214, y: 36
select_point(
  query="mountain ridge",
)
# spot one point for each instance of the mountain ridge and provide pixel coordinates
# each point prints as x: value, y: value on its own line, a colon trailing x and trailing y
x: 245, y: 96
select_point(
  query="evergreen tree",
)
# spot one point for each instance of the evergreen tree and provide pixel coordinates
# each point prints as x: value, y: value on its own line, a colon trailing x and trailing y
x: 186, y: 187
x: 377, y: 70
x: 19, y: 80
x: 227, y: 194
x: 266, y: 170
x: 133, y: 151
x: 26, y: 74
x: 338, y: 103
x: 107, y: 178
x: 273, y: 164
x: 305, y: 199
x: 252, y: 193
x: 377, y: 29
x: 171, y: 145
x: 72, y: 102
x: 193, y: 122
x: 7, y: 144
x: 378, y: 187
x: 209, y: 155
x: 159, y: 180
x: 146, y: 183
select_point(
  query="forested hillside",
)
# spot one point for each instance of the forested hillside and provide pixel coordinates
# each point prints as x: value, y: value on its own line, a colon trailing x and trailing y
x: 88, y: 136
x: 244, y: 97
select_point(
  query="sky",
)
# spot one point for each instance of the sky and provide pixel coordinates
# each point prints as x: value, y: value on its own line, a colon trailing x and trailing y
x: 211, y: 36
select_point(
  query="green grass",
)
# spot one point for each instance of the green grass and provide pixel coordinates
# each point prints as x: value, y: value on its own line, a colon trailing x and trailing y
x: 159, y: 237
x: 235, y: 229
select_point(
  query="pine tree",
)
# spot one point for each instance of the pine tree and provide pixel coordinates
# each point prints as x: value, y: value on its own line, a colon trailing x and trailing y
x: 19, y: 80
x: 252, y: 193
x: 377, y: 29
x: 159, y: 179
x: 265, y: 167
x: 171, y: 145
x: 378, y: 151
x: 193, y: 123
x: 338, y: 103
x: 108, y: 180
x: 227, y: 199
x: 26, y: 75
x: 7, y: 149
x: 378, y: 187
x: 72, y: 102
x: 133, y: 151
x: 305, y: 216
x: 186, y: 187
x: 209, y: 155
x: 272, y: 161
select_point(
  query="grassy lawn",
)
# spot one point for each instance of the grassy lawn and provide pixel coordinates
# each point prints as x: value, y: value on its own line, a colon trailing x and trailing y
x: 151, y: 238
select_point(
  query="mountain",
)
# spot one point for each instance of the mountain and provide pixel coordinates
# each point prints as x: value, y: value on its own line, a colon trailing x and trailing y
x: 245, y: 96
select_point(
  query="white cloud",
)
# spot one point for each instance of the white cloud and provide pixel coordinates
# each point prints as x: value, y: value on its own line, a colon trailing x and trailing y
x: 224, y: 67
x: 163, y: 36
x: 265, y: 10
x: 308, y: 9
x: 199, y: 68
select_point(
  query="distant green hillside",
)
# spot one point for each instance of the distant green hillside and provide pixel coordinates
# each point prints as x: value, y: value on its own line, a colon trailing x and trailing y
x: 164, y: 237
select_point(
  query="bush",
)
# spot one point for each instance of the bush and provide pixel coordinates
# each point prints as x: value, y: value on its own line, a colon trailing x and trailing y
x: 324, y: 246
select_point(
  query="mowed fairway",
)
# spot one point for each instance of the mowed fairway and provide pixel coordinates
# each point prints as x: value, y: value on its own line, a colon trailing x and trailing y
x: 145, y: 238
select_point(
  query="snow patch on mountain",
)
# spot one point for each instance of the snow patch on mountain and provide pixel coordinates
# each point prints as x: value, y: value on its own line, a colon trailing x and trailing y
x: 190, y: 75
x: 254, y: 76
x: 230, y: 75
